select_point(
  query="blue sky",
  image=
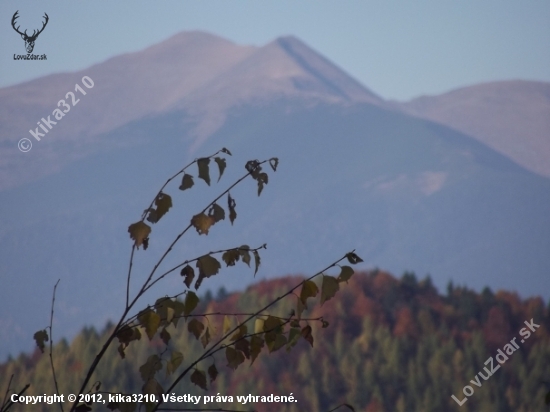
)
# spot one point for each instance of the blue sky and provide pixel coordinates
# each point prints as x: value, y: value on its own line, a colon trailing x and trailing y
x: 399, y: 50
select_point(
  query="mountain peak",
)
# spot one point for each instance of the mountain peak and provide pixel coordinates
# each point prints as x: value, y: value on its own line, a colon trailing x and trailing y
x: 332, y: 79
x: 196, y: 72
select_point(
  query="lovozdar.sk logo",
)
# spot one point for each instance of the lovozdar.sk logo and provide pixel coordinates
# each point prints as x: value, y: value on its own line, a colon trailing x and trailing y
x: 29, y: 39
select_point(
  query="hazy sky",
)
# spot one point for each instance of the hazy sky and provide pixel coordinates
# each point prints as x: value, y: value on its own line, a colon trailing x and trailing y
x: 399, y: 49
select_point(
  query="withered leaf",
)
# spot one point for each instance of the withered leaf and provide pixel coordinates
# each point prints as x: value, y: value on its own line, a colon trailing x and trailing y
x: 199, y: 378
x: 234, y: 357
x: 186, y: 182
x: 221, y: 165
x: 216, y: 212
x: 353, y: 258
x: 195, y: 327
x: 150, y: 322
x: 231, y: 206
x: 328, y: 288
x: 189, y: 274
x: 306, y: 334
x: 204, y: 172
x: 212, y: 372
x: 345, y: 274
x: 309, y: 290
x: 139, y: 231
x: 202, y: 223
x: 40, y: 337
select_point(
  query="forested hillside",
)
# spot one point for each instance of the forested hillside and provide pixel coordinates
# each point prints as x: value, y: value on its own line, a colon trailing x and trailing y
x: 390, y: 345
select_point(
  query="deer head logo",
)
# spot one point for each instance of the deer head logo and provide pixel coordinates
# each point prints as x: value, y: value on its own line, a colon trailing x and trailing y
x: 29, y: 40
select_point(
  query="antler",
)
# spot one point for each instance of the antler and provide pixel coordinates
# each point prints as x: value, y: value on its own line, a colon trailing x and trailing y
x: 15, y: 16
x: 35, y: 35
x: 44, y: 24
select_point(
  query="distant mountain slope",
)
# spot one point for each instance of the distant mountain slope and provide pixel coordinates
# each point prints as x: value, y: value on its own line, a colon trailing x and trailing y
x: 511, y: 117
x: 406, y: 192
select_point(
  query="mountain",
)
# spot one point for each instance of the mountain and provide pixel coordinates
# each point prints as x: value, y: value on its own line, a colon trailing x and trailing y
x: 511, y: 117
x: 196, y: 72
x: 389, y: 344
x: 355, y: 172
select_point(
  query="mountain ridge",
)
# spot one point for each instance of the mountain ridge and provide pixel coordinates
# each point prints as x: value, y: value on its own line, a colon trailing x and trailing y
x: 408, y: 193
x: 511, y: 117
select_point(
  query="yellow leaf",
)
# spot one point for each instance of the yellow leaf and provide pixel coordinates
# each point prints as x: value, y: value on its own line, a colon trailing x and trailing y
x: 150, y: 322
x: 226, y: 324
x: 191, y: 302
x: 259, y: 325
x: 163, y: 202
x: 345, y: 274
x: 202, y: 223
x: 328, y: 288
x: 139, y: 231
x: 309, y: 290
x: 195, y: 327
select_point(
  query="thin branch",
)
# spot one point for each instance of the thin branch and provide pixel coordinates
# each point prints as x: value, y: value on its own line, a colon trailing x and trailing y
x: 172, y: 178
x: 189, y: 226
x: 144, y: 215
x: 6, y: 395
x: 98, y: 358
x: 197, y: 258
x: 249, y: 335
x: 51, y: 346
x: 129, y: 275
x: 9, y: 405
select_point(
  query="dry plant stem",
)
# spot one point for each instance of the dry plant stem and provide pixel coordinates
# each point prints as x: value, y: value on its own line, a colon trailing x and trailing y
x: 145, y: 214
x: 205, y: 315
x: 98, y: 358
x: 6, y: 395
x: 214, y: 347
x: 179, y: 236
x: 129, y: 275
x: 143, y: 288
x: 51, y: 345
x: 194, y: 260
x: 172, y: 178
x: 10, y: 404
